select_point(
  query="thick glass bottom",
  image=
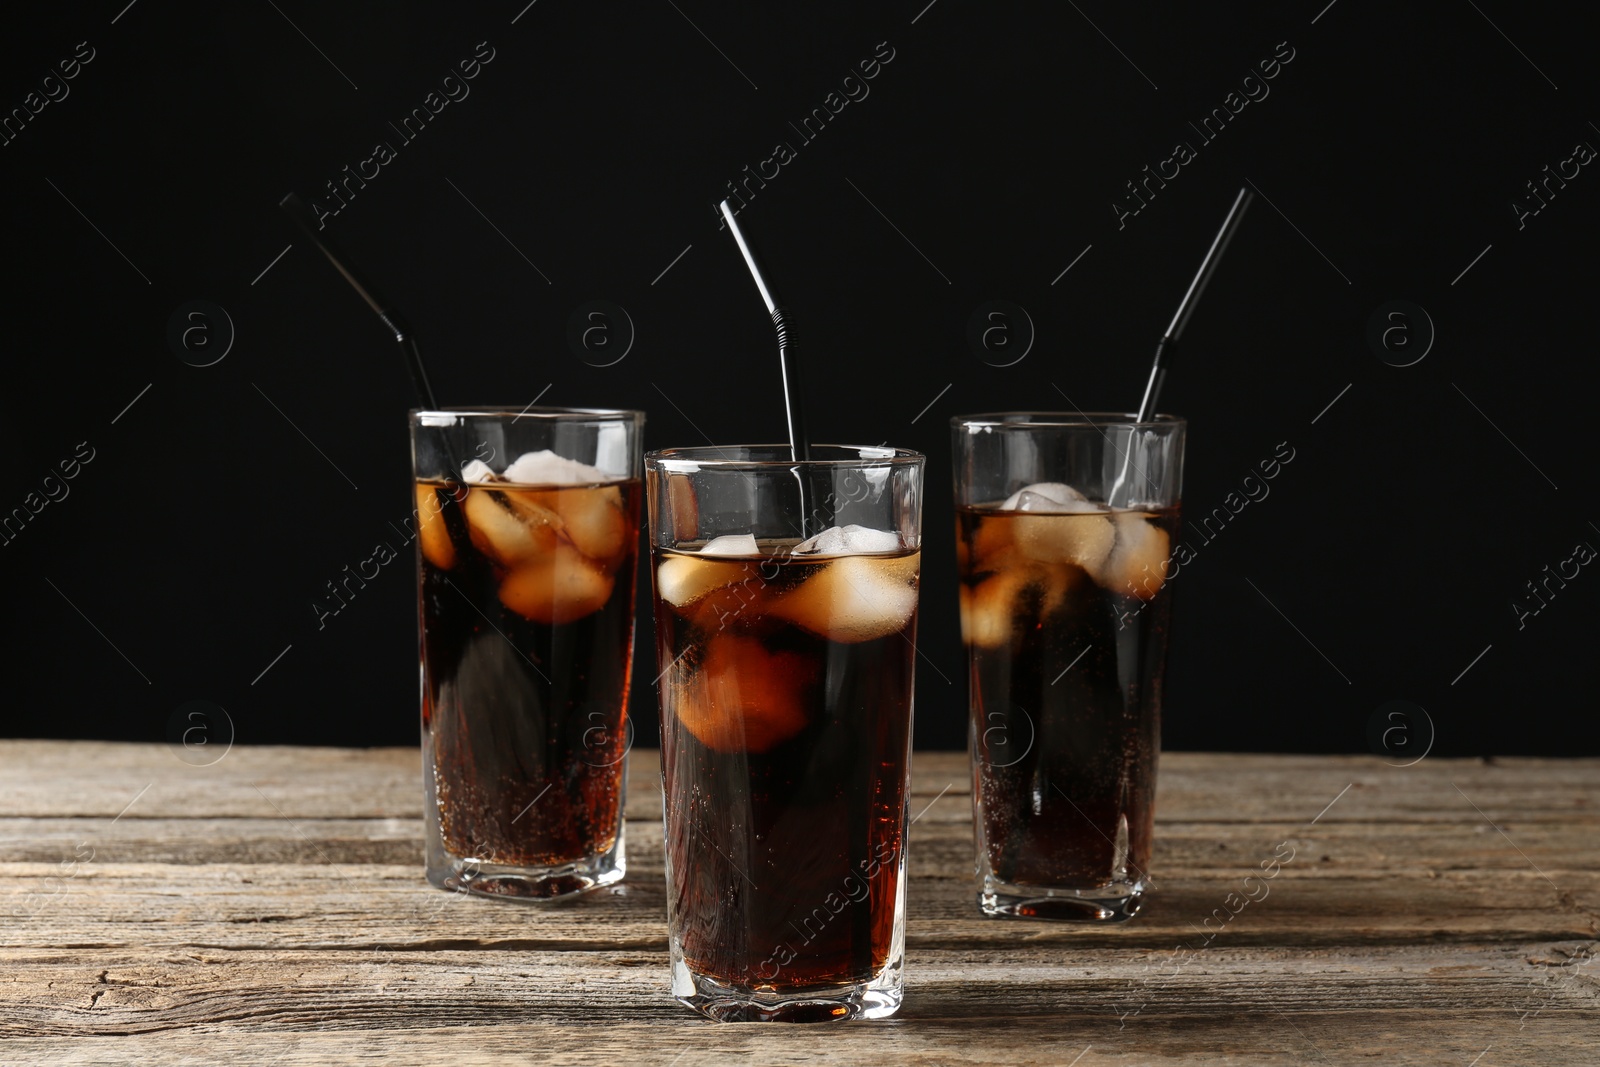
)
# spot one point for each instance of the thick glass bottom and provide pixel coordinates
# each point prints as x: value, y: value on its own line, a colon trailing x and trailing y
x: 1113, y: 903
x: 877, y: 998
x: 533, y: 884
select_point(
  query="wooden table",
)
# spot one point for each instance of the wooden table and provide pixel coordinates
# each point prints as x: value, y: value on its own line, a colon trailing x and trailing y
x: 270, y: 908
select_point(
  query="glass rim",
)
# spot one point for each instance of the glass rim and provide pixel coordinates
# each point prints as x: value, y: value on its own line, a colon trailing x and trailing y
x: 1014, y: 420
x: 495, y: 411
x: 714, y: 457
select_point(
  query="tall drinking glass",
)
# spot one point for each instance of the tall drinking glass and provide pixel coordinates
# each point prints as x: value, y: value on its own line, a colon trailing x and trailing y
x: 527, y: 529
x: 1064, y: 531
x: 786, y: 613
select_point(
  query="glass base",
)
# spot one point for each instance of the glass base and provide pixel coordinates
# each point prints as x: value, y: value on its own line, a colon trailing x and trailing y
x: 877, y: 998
x: 533, y: 884
x: 1114, y: 903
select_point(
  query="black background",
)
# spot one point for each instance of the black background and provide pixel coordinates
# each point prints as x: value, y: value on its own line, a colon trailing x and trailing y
x: 189, y: 551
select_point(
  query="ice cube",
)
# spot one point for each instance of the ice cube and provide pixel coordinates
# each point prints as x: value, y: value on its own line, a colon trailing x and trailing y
x: 478, y: 471
x: 1136, y: 566
x: 591, y: 518
x: 854, y: 598
x: 726, y: 606
x: 544, y: 467
x: 431, y: 532
x: 739, y: 696
x: 559, y: 586
x: 987, y: 611
x: 682, y: 579
x: 508, y: 527
x: 1049, y: 496
x: 713, y: 592
x: 731, y: 545
x: 992, y: 537
x: 1084, y: 539
x: 1018, y: 595
x: 849, y: 540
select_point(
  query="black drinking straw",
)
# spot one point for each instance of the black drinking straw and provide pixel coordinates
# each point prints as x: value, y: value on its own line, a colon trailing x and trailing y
x: 1169, y: 340
x: 1191, y: 300
x: 295, y: 208
x: 793, y: 397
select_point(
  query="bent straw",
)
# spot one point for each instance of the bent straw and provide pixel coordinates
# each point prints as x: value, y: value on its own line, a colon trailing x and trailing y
x: 296, y: 209
x: 799, y: 451
x: 1191, y: 300
x: 1180, y: 319
x: 793, y: 398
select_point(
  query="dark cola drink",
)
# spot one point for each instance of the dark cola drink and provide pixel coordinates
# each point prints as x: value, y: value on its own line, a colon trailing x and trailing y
x: 527, y: 602
x: 1065, y: 616
x: 786, y: 717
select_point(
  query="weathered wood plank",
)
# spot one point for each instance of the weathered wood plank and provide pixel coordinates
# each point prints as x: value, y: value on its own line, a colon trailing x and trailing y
x: 1246, y: 1039
x: 287, y: 990
x: 273, y: 905
x: 354, y: 907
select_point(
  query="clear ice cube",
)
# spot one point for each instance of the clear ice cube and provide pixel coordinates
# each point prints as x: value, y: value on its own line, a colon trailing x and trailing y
x: 854, y: 598
x: 1136, y: 565
x: 1084, y: 539
x: 544, y: 467
x: 849, y: 540
x: 731, y: 545
x: 1049, y: 497
x: 683, y: 580
x: 478, y: 471
x: 508, y: 526
x: 559, y: 586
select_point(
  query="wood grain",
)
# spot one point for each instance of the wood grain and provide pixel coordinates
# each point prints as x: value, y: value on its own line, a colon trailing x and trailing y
x: 271, y: 908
